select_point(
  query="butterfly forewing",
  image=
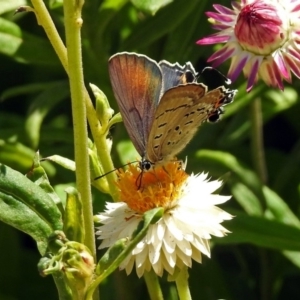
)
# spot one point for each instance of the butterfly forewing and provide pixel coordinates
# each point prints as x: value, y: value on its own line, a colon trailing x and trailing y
x: 179, y: 114
x: 175, y: 74
x: 137, y: 83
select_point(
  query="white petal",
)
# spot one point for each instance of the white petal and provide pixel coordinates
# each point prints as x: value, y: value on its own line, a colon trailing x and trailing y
x: 154, y: 253
x: 185, y: 247
x: 170, y: 257
x: 187, y: 260
x: 169, y: 242
x: 172, y: 227
x: 141, y: 257
x: 196, y: 256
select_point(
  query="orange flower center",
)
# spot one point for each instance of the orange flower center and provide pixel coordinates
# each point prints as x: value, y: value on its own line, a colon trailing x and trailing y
x: 159, y: 187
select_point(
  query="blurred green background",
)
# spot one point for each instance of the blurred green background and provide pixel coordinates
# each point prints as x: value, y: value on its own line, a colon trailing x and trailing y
x: 260, y: 259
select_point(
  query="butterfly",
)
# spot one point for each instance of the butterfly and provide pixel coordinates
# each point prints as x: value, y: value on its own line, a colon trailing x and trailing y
x: 161, y: 104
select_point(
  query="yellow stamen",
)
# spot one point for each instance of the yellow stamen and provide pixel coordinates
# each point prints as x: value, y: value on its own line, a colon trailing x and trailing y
x: 159, y: 187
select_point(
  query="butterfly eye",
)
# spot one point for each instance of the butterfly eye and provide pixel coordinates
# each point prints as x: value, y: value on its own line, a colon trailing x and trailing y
x: 146, y: 165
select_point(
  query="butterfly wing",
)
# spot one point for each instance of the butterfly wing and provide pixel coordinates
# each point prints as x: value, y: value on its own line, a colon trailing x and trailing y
x: 178, y: 116
x: 227, y: 96
x: 137, y: 83
x: 175, y: 74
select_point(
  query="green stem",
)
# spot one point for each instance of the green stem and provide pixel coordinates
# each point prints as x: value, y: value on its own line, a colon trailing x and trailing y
x: 73, y: 21
x: 153, y: 286
x: 257, y: 145
x: 258, y: 156
x: 183, y: 285
x: 44, y: 19
x: 258, y: 153
x: 63, y: 289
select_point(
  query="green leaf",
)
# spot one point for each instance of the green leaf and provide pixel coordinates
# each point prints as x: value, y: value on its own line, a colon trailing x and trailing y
x: 25, y: 47
x: 223, y: 162
x: 246, y: 198
x: 289, y: 168
x: 40, y: 107
x: 150, y: 6
x: 38, y: 175
x: 55, y: 3
x: 260, y: 232
x: 293, y: 256
x: 183, y: 39
x: 278, y: 101
x: 27, y: 207
x: 62, y: 161
x: 273, y: 103
x: 154, y: 28
x: 276, y: 208
x: 15, y: 154
x: 27, y: 89
x: 6, y: 6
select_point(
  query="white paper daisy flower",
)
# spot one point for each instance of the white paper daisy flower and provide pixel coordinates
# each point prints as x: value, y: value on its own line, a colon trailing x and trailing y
x: 190, y: 218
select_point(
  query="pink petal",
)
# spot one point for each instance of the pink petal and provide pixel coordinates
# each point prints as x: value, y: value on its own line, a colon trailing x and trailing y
x: 293, y: 65
x: 236, y: 68
x: 220, y: 26
x: 221, y: 55
x: 280, y: 63
x: 252, y: 76
x: 237, y: 5
x: 296, y: 8
x: 218, y: 17
x: 294, y: 53
x: 278, y: 77
x: 223, y: 9
x: 213, y: 39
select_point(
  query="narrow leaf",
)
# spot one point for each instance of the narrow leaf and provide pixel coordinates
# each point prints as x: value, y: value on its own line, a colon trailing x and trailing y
x: 261, y: 232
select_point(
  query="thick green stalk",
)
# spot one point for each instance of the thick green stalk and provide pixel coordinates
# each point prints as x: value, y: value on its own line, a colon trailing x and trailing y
x: 73, y: 22
x: 183, y: 284
x: 153, y: 286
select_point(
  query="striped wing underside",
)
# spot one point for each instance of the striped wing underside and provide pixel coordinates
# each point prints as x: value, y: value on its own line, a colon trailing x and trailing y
x: 180, y: 113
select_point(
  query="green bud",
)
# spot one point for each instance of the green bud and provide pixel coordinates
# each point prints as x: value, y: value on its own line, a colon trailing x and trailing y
x: 73, y: 218
x: 96, y: 170
x: 103, y: 109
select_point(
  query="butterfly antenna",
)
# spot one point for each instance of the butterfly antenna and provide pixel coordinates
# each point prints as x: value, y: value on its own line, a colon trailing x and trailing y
x: 98, y: 177
x: 227, y: 80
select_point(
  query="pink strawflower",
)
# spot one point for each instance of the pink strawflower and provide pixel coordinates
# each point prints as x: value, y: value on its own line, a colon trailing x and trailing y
x: 262, y: 39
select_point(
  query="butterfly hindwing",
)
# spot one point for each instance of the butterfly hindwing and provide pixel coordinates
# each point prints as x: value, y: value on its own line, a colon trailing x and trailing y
x: 180, y: 113
x: 175, y: 74
x: 176, y: 120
